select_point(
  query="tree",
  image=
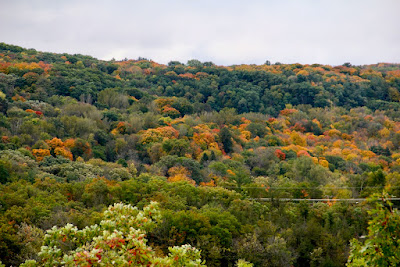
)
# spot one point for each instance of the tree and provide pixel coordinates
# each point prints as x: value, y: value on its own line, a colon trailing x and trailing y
x: 204, y: 158
x: 382, y: 245
x: 7, y: 83
x: 8, y: 241
x: 80, y: 148
x: 225, y: 137
x: 3, y: 103
x: 4, y: 171
x: 194, y: 63
x: 118, y: 240
x: 177, y: 147
x: 112, y: 98
x: 174, y: 63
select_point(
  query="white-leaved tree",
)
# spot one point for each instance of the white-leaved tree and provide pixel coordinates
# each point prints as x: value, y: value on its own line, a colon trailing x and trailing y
x: 118, y: 240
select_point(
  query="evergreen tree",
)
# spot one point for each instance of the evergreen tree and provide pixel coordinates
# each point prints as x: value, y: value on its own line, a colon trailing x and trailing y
x: 225, y: 137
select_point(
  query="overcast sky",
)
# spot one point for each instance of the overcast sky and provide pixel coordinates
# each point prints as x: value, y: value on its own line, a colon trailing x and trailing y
x: 225, y: 32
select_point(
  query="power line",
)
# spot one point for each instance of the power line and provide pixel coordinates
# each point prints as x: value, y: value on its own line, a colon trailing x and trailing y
x: 322, y: 199
x: 310, y: 188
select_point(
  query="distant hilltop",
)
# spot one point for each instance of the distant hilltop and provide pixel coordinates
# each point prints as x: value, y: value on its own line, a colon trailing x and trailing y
x: 203, y: 86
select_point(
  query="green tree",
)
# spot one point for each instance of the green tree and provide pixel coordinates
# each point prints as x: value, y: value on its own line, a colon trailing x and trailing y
x: 4, y: 171
x: 382, y: 244
x: 177, y: 147
x: 225, y: 137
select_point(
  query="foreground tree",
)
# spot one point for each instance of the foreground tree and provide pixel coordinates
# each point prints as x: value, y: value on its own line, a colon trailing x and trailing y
x: 118, y: 240
x: 381, y: 248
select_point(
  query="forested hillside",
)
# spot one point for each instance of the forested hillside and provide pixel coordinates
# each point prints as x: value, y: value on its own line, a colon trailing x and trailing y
x: 209, y: 144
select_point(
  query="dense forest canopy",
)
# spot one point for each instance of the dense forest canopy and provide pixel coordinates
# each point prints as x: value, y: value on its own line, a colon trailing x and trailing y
x: 207, y: 143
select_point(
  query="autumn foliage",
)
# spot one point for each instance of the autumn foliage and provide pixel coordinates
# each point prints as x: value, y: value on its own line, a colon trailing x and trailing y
x: 218, y: 146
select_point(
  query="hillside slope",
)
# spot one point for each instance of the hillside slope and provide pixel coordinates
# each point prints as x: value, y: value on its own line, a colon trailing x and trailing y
x: 207, y: 142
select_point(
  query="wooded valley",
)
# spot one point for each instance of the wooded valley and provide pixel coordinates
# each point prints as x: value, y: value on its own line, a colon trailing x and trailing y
x: 137, y: 163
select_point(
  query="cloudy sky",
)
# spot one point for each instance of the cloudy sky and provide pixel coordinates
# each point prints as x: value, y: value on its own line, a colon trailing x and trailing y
x: 225, y: 32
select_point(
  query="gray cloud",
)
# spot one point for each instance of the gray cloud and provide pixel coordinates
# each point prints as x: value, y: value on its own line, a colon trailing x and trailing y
x: 225, y: 32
